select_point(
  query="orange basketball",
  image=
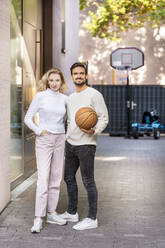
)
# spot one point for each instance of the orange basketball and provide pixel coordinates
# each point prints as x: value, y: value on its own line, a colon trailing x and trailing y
x: 86, y: 118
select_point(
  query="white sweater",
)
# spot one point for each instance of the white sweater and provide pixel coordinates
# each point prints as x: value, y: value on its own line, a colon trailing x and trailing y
x: 87, y: 98
x: 51, y: 107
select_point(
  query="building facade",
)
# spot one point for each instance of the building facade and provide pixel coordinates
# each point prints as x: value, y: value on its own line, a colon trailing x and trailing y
x: 37, y: 35
x: 4, y: 103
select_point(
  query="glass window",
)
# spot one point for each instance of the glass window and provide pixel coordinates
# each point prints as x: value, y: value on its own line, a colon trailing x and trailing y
x: 16, y: 88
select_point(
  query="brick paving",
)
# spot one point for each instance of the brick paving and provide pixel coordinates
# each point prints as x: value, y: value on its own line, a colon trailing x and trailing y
x: 130, y: 176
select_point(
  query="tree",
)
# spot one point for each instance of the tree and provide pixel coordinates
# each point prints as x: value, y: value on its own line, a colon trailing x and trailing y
x: 109, y: 18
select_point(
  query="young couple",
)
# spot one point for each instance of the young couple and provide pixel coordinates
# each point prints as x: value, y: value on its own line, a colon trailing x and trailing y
x: 80, y: 145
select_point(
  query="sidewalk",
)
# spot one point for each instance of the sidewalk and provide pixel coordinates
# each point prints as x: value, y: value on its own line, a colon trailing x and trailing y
x: 130, y: 177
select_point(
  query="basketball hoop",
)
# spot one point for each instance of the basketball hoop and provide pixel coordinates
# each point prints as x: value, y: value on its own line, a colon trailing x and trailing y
x: 123, y: 68
x: 129, y: 58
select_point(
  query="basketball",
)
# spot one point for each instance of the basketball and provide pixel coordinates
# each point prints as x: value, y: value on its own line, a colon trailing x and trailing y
x: 86, y: 118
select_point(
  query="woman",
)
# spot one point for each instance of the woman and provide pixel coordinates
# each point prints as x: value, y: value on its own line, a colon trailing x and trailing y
x: 50, y: 104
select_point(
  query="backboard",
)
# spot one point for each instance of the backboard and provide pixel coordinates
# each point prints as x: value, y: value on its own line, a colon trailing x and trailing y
x: 127, y: 58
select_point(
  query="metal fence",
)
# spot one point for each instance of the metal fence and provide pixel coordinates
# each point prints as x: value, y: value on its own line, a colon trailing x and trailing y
x: 146, y: 98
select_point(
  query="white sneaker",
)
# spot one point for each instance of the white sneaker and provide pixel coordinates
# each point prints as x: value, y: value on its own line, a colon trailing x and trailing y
x: 37, y: 226
x: 70, y: 217
x: 54, y: 218
x: 86, y: 223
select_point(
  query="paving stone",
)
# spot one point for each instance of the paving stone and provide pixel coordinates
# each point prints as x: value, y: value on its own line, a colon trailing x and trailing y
x: 130, y: 177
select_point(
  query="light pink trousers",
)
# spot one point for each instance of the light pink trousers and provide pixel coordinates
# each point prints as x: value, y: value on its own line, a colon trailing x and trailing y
x: 49, y: 156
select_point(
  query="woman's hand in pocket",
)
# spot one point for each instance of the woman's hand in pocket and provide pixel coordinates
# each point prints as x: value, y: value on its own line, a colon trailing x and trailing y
x: 43, y: 133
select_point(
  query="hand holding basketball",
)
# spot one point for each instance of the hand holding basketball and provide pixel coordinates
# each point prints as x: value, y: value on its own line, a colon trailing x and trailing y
x: 90, y: 131
x: 86, y: 118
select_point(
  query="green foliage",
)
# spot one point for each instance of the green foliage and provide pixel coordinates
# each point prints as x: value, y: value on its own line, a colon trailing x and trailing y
x: 108, y: 18
x: 83, y: 4
x: 17, y: 6
x: 87, y: 3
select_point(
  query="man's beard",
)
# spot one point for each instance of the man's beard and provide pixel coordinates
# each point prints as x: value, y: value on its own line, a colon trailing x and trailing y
x: 80, y: 84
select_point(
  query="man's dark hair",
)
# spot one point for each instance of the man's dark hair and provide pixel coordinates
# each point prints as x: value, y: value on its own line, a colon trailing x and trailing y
x: 78, y: 64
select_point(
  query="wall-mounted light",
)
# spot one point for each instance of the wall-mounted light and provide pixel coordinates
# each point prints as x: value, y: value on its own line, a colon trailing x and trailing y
x: 63, y: 49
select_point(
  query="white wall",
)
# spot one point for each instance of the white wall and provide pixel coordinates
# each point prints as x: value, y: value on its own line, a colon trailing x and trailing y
x: 97, y: 52
x: 4, y: 103
x: 60, y: 60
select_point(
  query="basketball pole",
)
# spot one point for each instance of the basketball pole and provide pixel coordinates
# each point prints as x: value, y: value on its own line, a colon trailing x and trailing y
x: 127, y: 58
x: 128, y: 104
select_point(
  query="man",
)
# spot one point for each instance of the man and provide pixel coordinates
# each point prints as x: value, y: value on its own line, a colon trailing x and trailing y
x: 81, y: 147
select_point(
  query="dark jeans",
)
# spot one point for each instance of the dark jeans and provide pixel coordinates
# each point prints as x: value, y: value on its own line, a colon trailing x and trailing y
x: 83, y: 157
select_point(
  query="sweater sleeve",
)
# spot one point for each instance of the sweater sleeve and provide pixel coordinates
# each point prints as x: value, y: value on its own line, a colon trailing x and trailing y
x: 32, y: 110
x: 102, y: 113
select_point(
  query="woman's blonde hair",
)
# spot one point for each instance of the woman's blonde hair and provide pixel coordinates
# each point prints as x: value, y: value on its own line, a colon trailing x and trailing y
x: 43, y: 83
